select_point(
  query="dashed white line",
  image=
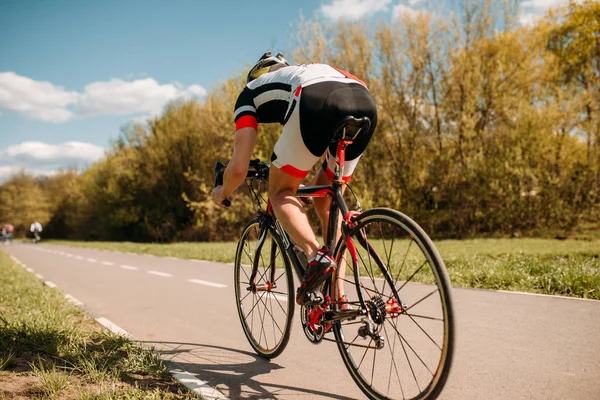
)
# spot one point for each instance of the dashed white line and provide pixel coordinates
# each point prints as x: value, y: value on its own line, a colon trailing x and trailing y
x: 78, y: 258
x: 91, y: 259
x: 196, y: 385
x: 201, y: 282
x: 39, y: 276
x: 73, y: 300
x: 29, y: 269
x: 50, y: 284
x: 108, y: 263
x: 114, y: 327
x: 129, y: 267
x: 164, y: 274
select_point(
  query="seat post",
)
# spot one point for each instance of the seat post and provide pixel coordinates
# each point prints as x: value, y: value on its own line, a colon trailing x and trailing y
x: 340, y: 158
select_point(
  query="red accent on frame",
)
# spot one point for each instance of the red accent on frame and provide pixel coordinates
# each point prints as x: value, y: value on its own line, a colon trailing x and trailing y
x: 293, y: 171
x: 269, y: 208
x: 352, y: 250
x: 247, y: 121
x: 349, y: 75
x: 298, y: 90
x: 319, y: 193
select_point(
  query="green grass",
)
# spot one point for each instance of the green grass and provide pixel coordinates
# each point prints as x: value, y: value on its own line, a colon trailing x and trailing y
x: 66, y: 352
x: 549, y: 266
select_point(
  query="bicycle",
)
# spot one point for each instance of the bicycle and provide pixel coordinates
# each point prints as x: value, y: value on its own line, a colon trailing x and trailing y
x: 373, y: 323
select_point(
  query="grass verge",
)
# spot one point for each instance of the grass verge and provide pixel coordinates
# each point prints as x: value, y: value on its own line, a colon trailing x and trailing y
x: 50, y: 349
x: 548, y: 266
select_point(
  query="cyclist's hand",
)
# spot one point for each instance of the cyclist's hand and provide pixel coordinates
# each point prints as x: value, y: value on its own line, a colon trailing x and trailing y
x: 218, y: 196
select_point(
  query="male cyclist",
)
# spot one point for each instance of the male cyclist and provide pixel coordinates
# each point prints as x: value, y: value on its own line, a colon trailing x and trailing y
x: 309, y: 100
x: 36, y: 228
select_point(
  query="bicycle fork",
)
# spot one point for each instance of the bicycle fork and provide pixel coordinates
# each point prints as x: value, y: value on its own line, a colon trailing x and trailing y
x: 270, y: 283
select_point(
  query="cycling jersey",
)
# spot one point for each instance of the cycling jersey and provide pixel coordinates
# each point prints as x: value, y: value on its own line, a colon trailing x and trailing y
x: 308, y: 100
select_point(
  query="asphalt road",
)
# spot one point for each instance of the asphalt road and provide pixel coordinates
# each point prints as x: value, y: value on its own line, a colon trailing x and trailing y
x: 509, y: 346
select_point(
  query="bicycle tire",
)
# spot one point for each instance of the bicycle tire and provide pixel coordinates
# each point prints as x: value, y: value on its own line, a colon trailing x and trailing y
x: 277, y: 303
x: 404, y: 330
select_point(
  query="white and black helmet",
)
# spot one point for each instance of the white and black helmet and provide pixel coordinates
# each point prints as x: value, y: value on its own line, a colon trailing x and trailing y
x: 264, y: 64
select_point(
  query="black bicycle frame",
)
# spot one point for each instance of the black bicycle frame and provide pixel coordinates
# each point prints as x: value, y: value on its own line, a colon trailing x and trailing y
x: 338, y: 204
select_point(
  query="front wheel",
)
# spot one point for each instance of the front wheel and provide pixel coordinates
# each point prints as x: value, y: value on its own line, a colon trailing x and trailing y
x: 402, y: 346
x: 264, y: 289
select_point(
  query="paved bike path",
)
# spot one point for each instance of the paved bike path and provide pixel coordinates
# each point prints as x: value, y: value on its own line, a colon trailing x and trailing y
x: 509, y: 346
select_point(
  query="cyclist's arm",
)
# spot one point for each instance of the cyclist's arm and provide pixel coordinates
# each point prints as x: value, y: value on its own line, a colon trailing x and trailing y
x: 243, y: 146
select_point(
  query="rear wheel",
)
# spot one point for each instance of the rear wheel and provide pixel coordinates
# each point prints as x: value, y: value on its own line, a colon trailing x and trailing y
x: 263, y: 289
x: 402, y: 347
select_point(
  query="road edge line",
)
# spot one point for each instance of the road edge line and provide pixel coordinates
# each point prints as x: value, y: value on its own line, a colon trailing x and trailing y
x: 185, y: 378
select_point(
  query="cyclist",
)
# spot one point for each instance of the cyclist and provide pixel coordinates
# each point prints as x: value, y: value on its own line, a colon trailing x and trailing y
x: 309, y: 100
x: 36, y: 228
x: 7, y: 233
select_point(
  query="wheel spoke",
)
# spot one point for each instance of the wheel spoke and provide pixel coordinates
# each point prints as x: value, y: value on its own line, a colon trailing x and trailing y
x: 393, y: 248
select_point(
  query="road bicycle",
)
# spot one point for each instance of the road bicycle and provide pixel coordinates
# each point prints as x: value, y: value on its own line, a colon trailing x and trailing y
x: 394, y: 327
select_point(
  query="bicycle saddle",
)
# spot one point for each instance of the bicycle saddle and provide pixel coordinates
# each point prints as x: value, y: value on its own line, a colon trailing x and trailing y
x: 350, y: 127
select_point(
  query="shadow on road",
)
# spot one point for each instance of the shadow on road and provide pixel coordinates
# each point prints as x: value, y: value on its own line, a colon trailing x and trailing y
x: 232, y: 371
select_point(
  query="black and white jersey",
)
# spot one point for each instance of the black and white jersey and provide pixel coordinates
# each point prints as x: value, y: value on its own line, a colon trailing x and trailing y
x: 269, y: 97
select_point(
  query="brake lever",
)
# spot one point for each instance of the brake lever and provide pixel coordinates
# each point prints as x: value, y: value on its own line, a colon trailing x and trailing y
x: 219, y: 170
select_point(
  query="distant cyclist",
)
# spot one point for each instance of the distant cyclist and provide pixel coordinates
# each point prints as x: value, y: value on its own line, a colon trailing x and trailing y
x: 7, y: 233
x: 309, y: 100
x: 36, y: 229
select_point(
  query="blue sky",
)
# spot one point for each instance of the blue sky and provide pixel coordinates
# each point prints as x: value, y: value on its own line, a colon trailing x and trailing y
x: 73, y: 72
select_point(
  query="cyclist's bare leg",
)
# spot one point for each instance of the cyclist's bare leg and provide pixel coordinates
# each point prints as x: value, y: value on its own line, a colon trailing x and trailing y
x: 289, y: 211
x: 322, y: 208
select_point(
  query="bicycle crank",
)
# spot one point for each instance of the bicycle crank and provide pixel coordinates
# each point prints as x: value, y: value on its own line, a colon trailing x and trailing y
x: 313, y: 321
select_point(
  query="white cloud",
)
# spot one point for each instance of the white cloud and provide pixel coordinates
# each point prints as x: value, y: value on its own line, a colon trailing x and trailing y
x: 401, y: 9
x: 46, y: 102
x: 36, y: 99
x: 353, y: 9
x: 533, y: 10
x: 119, y: 97
x: 46, y: 159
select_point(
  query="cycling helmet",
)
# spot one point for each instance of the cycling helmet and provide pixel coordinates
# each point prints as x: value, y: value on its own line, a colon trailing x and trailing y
x: 264, y: 63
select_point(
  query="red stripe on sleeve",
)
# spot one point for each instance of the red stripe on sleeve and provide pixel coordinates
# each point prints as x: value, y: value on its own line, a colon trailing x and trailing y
x: 247, y: 121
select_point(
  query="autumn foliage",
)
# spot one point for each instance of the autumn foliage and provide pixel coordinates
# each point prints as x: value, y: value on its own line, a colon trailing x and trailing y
x: 485, y: 128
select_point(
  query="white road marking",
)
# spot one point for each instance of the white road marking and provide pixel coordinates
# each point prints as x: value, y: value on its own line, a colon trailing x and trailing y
x: 124, y: 266
x: 50, y: 284
x: 73, y: 300
x: 108, y: 263
x: 39, y: 276
x: 172, y: 258
x: 69, y: 255
x: 114, y: 328
x: 78, y: 257
x: 201, y: 282
x: 91, y: 259
x: 539, y: 294
x: 160, y: 274
x: 196, y: 385
x: 29, y: 269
